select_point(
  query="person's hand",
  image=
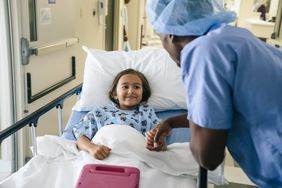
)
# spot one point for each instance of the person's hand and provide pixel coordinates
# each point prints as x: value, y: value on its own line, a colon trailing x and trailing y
x: 99, y: 151
x: 151, y: 145
x: 156, y: 137
x: 150, y: 135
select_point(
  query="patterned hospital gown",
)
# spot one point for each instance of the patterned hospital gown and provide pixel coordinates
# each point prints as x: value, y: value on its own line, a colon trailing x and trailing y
x: 143, y: 118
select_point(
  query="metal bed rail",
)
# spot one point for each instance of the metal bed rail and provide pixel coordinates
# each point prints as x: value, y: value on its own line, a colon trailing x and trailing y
x: 32, y: 120
x: 202, y: 178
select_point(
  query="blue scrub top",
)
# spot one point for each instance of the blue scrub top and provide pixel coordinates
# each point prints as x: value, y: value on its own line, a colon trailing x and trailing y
x: 234, y: 81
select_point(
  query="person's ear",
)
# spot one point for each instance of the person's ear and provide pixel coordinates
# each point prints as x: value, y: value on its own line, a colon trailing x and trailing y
x: 171, y: 38
x: 116, y: 99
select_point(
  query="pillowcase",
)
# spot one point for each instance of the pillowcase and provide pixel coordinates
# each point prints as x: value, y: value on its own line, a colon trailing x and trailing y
x: 163, y: 75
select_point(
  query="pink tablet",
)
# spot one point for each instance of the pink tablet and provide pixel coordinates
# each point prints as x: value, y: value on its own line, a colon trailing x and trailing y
x: 108, y: 176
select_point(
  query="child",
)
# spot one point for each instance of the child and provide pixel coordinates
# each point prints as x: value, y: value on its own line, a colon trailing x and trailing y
x: 129, y: 93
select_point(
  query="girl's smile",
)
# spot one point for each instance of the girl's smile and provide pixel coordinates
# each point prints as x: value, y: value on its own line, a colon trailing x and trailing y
x: 129, y: 91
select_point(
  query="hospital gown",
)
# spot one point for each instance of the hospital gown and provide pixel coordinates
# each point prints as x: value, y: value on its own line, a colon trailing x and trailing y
x: 233, y: 81
x: 143, y: 118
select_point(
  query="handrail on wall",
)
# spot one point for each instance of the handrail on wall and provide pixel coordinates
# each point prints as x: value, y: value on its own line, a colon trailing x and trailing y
x: 27, y: 51
x: 41, y: 50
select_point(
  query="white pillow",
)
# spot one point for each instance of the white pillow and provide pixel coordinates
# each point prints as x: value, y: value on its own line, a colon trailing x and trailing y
x: 162, y: 73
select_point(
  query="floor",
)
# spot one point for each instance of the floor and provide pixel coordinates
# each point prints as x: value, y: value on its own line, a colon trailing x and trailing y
x: 234, y: 185
x: 236, y: 178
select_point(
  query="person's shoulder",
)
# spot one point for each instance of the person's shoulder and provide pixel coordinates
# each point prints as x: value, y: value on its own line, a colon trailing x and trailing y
x: 229, y: 33
x: 218, y: 39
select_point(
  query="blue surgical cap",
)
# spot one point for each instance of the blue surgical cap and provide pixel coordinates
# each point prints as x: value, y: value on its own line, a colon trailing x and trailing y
x: 187, y: 17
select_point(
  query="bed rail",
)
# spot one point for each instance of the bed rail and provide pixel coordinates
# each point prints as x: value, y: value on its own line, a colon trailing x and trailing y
x: 202, y: 178
x: 32, y: 118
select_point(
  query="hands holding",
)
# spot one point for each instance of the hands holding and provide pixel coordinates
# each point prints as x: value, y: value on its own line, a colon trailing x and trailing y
x: 156, y: 137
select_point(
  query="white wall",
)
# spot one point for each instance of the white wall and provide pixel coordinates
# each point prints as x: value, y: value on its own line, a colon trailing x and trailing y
x: 245, y: 12
x: 273, y: 8
x: 135, y: 20
x: 118, y: 27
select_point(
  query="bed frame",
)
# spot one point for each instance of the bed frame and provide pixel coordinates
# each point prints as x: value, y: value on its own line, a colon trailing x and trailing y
x: 32, y: 121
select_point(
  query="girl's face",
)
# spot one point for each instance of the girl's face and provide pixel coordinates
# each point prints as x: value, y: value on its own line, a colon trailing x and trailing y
x: 129, y: 91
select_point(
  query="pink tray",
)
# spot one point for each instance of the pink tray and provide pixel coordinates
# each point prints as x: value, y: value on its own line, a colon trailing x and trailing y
x: 108, y: 176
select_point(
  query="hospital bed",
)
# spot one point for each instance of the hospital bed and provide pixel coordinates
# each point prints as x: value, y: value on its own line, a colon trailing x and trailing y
x: 59, y: 156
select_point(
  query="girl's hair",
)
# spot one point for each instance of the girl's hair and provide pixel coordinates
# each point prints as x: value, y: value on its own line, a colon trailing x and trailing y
x: 145, y: 85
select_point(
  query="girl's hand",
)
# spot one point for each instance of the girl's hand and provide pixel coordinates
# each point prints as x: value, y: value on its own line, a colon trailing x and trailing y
x: 99, y: 151
x: 150, y: 138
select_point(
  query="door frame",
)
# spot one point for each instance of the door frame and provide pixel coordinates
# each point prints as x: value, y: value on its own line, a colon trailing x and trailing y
x: 7, y: 98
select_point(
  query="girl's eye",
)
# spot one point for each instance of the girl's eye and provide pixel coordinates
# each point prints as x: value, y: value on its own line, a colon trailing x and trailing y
x: 124, y: 87
x: 137, y: 87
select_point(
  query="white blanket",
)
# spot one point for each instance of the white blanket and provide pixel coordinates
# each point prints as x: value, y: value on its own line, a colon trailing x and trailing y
x: 58, y: 163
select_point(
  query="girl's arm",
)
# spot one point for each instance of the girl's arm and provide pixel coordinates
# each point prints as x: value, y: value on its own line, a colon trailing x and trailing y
x: 84, y: 132
x: 98, y: 151
x: 86, y: 126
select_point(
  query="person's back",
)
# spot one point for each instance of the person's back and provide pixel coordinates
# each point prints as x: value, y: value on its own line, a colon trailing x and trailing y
x: 251, y: 72
x: 259, y: 124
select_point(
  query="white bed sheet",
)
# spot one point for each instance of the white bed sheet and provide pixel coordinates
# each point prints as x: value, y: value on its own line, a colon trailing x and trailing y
x: 58, y: 163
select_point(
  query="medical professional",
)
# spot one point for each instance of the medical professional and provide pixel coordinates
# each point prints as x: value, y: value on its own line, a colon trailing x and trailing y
x: 233, y: 85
